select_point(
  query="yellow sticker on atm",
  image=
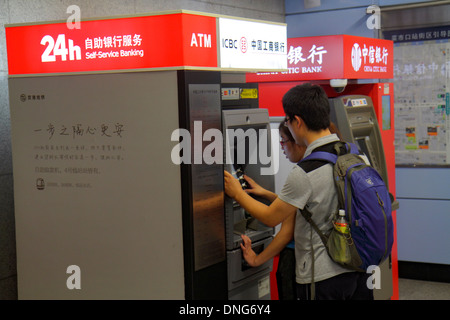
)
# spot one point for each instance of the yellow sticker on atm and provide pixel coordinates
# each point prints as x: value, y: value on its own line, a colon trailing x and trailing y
x: 249, y: 93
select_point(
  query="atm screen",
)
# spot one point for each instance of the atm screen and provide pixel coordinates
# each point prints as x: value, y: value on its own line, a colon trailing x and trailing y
x: 364, y: 146
x: 244, y: 143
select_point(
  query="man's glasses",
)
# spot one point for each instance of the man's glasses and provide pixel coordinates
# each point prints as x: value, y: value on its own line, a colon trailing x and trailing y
x: 286, y: 120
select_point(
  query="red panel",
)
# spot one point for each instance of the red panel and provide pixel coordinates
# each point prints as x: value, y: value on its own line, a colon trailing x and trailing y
x: 115, y: 44
x: 199, y: 41
x: 388, y: 135
x: 271, y: 95
x: 273, y: 279
x: 368, y: 58
x: 309, y: 58
x: 334, y: 57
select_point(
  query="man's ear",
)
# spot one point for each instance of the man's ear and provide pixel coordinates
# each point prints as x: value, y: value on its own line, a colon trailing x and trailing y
x: 300, y: 121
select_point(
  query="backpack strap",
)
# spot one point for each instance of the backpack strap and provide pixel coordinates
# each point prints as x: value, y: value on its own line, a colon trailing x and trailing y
x: 321, y: 155
x: 308, y: 217
x: 329, y: 152
x: 342, y: 147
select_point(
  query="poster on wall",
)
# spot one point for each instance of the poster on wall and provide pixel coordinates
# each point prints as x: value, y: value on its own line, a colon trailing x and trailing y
x: 422, y: 102
x: 84, y: 186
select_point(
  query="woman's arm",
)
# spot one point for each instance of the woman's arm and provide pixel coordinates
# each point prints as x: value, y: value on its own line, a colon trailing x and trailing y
x: 280, y: 241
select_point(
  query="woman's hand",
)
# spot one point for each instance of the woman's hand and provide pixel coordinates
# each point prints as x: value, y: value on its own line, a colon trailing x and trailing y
x: 259, y: 191
x: 248, y: 253
x: 254, y: 188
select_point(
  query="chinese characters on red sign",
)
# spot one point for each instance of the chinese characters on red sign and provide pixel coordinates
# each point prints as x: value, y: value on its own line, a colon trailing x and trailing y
x: 333, y: 57
x: 158, y: 41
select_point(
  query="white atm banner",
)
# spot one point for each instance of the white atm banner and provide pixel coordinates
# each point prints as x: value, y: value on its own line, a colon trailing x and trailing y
x: 249, y: 44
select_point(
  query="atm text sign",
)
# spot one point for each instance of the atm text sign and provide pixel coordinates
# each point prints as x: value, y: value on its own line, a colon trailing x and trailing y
x: 161, y: 41
x: 113, y: 44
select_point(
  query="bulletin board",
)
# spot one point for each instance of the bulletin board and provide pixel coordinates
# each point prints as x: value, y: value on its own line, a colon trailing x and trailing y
x: 421, y: 91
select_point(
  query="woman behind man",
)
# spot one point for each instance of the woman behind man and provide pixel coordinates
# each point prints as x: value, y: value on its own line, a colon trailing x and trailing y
x: 283, y: 243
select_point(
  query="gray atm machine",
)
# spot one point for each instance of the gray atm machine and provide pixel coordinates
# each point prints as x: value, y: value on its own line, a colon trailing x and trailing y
x: 247, y: 133
x: 356, y: 120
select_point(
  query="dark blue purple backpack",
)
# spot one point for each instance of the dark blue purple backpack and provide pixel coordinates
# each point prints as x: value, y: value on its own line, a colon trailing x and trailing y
x: 367, y: 203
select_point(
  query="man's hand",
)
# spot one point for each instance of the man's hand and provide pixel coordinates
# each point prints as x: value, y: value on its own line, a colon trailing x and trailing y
x: 232, y: 185
x: 269, y: 215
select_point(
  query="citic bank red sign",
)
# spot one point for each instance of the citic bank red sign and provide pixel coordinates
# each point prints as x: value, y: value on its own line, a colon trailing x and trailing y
x: 333, y: 57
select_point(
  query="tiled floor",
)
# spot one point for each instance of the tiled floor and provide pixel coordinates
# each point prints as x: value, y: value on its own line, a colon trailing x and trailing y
x: 423, y: 290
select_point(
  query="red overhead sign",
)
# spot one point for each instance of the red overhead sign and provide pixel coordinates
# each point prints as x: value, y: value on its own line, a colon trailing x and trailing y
x: 172, y: 40
x: 115, y: 44
x: 333, y: 57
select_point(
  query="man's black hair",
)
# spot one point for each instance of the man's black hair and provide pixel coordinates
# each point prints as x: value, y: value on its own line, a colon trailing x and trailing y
x: 309, y: 102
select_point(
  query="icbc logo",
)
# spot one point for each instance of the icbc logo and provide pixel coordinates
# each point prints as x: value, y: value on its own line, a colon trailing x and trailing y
x: 243, y: 45
x: 236, y: 44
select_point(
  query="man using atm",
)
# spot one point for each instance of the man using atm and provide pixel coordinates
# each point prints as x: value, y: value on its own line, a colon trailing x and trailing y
x: 308, y: 118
